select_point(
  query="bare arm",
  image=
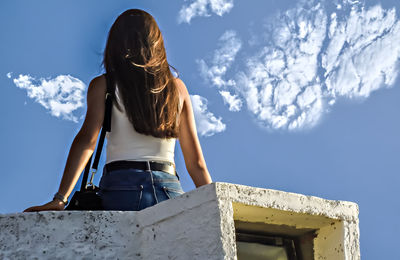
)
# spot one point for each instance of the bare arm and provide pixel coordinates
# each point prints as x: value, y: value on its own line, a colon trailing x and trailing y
x: 189, y: 141
x: 83, y: 145
x: 85, y: 141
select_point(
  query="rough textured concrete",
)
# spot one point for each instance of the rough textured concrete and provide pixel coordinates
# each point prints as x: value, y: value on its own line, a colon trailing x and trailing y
x: 66, y: 235
x: 199, y: 224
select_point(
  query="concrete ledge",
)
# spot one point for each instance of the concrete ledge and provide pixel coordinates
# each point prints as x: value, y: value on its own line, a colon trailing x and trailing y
x: 287, y: 201
x: 200, y: 224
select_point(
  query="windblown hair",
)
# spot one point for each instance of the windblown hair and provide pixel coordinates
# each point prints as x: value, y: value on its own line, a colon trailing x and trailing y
x: 135, y: 55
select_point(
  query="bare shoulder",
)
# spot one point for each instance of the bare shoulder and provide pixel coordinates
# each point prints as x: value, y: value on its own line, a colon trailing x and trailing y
x: 99, y: 81
x: 183, y: 92
x: 98, y: 85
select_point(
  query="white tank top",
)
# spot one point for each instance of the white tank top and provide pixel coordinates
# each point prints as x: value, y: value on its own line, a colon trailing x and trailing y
x: 125, y: 143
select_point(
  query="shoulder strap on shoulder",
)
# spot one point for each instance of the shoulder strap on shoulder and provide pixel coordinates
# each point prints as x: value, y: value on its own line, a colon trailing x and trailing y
x: 109, y: 100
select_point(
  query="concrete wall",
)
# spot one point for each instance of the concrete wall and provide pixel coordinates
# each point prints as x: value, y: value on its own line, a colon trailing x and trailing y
x: 199, y: 224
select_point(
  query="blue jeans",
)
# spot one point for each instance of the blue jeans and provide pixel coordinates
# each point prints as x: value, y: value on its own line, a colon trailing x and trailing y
x: 133, y: 189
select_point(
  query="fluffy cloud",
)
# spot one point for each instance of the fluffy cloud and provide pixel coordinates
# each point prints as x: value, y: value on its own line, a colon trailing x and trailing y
x: 363, y: 52
x: 281, y: 84
x: 224, y: 56
x: 310, y: 58
x: 206, y: 123
x: 203, y: 8
x: 233, y: 101
x: 61, y: 95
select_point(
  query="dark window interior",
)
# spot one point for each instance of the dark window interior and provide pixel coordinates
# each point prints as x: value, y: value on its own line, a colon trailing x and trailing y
x: 256, y: 241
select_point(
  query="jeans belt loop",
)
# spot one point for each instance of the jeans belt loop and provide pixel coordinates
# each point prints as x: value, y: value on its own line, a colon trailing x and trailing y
x: 148, y: 168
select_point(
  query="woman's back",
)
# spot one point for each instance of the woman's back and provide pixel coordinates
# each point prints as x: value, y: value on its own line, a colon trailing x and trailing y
x: 125, y: 143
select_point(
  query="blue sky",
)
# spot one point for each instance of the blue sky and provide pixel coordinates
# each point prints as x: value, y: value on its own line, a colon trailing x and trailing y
x: 300, y: 96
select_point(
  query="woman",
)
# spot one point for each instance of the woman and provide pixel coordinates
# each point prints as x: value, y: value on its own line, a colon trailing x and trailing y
x: 151, y: 110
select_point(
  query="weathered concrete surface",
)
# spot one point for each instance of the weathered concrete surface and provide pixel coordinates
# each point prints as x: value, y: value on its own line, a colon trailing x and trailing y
x: 174, y: 229
x: 67, y: 235
x: 199, y: 224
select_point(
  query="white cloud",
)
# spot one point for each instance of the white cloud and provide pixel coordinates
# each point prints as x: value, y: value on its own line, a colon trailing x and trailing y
x: 235, y: 104
x: 203, y: 8
x: 281, y: 84
x: 363, y: 52
x: 313, y: 57
x: 206, y: 123
x: 9, y: 75
x: 224, y: 56
x: 61, y: 95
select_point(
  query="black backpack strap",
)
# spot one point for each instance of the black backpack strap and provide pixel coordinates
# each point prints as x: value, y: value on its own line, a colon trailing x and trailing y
x: 105, y: 128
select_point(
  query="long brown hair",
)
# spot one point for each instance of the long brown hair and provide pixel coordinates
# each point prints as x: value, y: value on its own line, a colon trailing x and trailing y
x: 135, y: 55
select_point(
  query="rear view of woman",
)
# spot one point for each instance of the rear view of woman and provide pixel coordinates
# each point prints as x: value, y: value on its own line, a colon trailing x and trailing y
x: 151, y: 109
